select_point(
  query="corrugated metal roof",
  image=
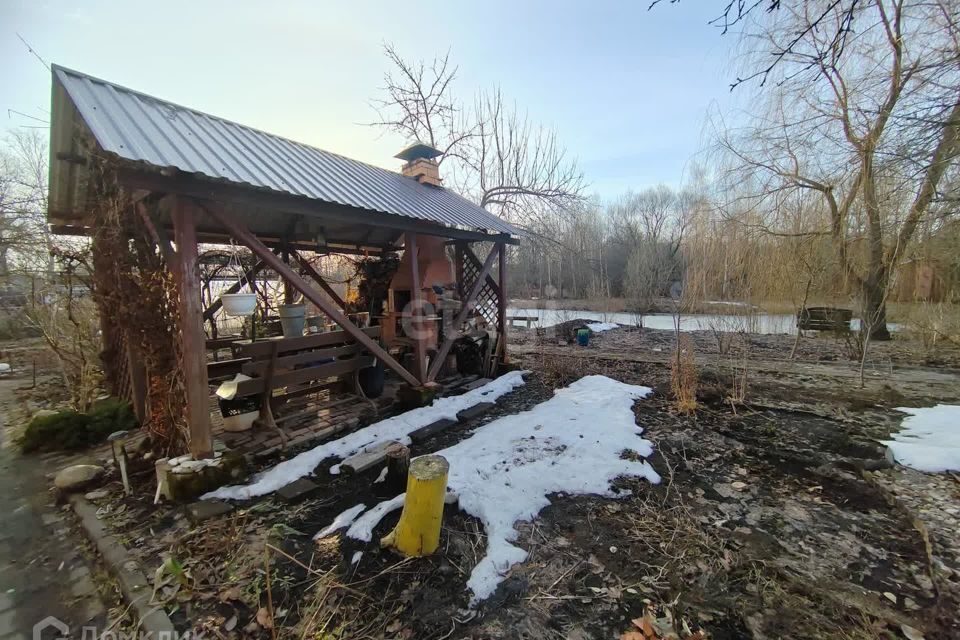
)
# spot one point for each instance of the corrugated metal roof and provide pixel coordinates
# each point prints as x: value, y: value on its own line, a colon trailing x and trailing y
x: 141, y: 128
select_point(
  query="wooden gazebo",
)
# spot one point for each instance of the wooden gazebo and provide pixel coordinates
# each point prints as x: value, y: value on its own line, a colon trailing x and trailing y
x: 189, y: 178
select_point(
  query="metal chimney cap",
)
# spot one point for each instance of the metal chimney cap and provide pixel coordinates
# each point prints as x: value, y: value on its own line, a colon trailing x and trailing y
x: 418, y: 151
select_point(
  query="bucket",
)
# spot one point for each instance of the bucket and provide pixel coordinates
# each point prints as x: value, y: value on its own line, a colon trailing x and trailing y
x: 292, y: 319
x: 583, y: 337
x: 239, y: 304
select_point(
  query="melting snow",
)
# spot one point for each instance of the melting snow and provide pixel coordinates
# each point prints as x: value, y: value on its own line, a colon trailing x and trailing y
x: 342, y: 520
x: 597, y: 327
x: 929, y: 440
x: 363, y: 528
x: 395, y: 428
x: 504, y: 472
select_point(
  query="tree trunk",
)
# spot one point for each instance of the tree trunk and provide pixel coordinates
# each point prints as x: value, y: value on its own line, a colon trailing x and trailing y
x: 874, y: 317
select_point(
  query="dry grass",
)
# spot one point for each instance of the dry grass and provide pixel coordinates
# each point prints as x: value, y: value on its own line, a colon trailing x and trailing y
x: 683, y: 375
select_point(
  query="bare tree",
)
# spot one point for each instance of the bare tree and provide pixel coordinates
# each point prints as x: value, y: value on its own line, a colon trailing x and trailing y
x: 493, y: 153
x: 737, y: 12
x: 24, y: 241
x: 872, y: 128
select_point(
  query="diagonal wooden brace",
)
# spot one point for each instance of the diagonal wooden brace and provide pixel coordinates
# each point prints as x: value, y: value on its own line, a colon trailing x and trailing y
x: 453, y: 332
x: 490, y: 281
x: 243, y: 235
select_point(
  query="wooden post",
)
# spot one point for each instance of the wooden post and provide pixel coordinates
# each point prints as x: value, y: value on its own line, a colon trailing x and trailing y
x: 398, y: 464
x: 418, y: 532
x: 288, y: 290
x: 416, y: 304
x: 192, y: 340
x: 502, y: 303
x: 458, y: 264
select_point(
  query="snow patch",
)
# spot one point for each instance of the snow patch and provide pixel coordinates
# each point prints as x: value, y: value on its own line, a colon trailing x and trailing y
x: 597, y: 327
x: 395, y: 428
x: 929, y: 440
x: 504, y: 472
x: 363, y: 528
x: 342, y: 520
x: 356, y: 557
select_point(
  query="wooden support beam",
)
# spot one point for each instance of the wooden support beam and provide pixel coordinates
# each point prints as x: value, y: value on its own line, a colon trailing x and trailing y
x: 502, y: 302
x: 453, y: 332
x: 416, y: 302
x: 243, y: 235
x: 315, y: 275
x: 288, y: 290
x: 236, y: 286
x: 192, y: 339
x: 158, y: 234
x: 62, y: 227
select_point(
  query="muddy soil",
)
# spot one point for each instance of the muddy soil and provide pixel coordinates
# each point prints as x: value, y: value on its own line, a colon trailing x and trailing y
x: 778, y: 516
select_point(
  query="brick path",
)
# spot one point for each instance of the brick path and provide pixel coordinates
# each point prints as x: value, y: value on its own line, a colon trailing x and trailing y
x: 42, y: 573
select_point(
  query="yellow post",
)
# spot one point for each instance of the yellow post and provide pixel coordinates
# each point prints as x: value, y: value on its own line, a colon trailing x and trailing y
x: 418, y: 532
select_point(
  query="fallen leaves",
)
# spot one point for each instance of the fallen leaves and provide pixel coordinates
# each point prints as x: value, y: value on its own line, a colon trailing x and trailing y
x: 662, y: 627
x: 264, y: 619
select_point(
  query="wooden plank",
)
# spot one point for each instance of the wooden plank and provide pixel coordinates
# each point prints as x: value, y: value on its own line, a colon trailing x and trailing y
x: 329, y: 370
x: 432, y: 429
x: 468, y: 305
x: 360, y: 462
x: 225, y: 368
x: 476, y: 384
x: 262, y: 348
x: 192, y: 338
x: 258, y: 367
x: 313, y: 273
x: 243, y: 234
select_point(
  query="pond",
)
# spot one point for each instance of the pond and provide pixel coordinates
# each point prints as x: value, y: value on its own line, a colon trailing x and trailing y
x: 753, y: 323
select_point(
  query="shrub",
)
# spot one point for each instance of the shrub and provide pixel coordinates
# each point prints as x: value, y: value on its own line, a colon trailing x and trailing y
x: 70, y: 430
x: 683, y: 375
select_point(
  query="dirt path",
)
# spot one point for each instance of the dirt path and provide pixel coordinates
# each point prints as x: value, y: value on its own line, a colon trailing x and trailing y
x: 42, y: 572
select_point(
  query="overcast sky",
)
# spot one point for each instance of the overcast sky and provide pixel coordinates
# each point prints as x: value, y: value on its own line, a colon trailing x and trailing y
x: 626, y: 89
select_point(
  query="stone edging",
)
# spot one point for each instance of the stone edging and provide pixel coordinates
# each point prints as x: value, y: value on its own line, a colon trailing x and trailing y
x: 133, y: 583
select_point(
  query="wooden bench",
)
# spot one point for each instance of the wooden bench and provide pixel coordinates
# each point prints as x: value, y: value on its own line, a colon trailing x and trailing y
x: 824, y: 319
x: 287, y: 373
x: 511, y: 320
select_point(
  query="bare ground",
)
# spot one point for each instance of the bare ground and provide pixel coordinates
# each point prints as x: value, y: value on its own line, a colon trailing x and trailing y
x: 778, y: 516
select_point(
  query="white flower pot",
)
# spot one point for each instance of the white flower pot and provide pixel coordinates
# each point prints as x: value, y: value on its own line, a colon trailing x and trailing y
x: 240, y: 422
x: 239, y: 304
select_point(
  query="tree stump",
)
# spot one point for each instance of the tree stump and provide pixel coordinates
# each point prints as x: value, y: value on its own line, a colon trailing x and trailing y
x: 398, y: 465
x: 418, y: 532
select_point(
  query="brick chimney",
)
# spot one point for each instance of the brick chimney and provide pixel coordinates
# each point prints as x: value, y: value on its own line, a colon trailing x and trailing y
x: 420, y: 164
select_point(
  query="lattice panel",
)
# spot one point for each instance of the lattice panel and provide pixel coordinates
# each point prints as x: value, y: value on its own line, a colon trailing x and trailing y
x: 487, y: 301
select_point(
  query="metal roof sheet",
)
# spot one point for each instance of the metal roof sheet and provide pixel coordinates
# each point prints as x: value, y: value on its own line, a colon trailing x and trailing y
x: 141, y: 128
